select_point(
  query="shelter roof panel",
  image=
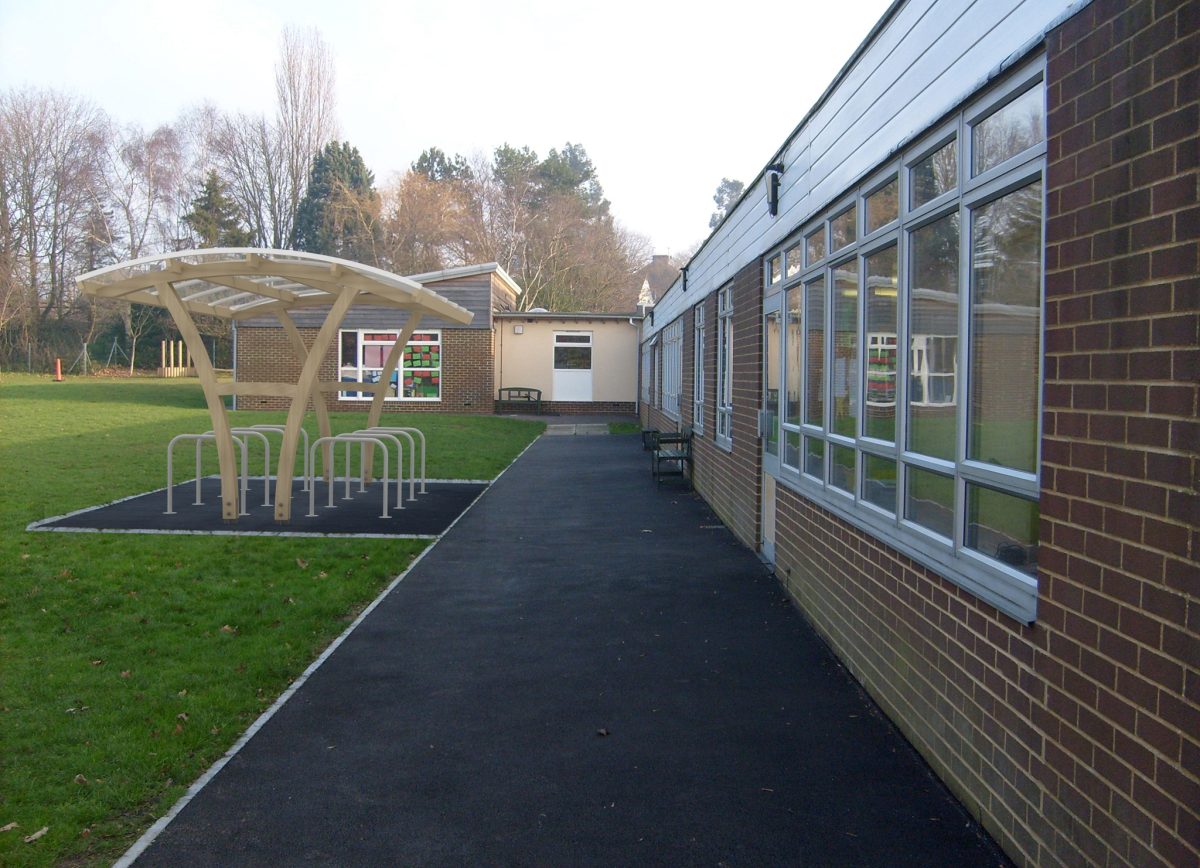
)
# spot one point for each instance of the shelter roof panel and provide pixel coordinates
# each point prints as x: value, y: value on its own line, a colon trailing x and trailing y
x: 235, y: 282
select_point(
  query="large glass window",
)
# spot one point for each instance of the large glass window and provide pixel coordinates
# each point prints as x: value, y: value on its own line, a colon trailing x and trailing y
x: 725, y: 365
x: 880, y: 406
x: 672, y: 368
x: 910, y: 352
x: 1006, y: 243
x: 418, y: 377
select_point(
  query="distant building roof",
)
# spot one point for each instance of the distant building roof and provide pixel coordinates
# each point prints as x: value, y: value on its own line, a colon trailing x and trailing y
x: 656, y: 277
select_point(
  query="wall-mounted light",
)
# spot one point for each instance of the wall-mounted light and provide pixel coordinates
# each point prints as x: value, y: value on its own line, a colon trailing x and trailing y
x: 774, y: 172
x: 683, y: 271
x: 518, y: 330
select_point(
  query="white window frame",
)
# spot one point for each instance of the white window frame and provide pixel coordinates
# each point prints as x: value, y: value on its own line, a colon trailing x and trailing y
x: 698, y: 369
x: 725, y: 367
x: 672, y: 376
x: 360, y: 369
x: 1009, y: 589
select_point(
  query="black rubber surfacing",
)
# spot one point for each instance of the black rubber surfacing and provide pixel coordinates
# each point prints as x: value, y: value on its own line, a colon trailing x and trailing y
x: 588, y: 669
x: 429, y: 515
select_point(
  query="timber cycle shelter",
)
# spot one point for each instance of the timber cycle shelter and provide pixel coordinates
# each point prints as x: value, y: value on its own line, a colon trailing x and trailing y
x: 236, y: 283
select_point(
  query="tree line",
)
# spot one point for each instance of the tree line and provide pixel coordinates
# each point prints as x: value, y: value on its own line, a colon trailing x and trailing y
x: 79, y: 190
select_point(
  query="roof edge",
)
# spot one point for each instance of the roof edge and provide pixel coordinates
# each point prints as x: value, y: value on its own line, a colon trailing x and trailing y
x: 468, y: 271
x: 526, y: 314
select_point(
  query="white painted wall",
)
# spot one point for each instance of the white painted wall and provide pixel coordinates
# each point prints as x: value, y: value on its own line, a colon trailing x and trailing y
x: 927, y: 60
x: 527, y: 359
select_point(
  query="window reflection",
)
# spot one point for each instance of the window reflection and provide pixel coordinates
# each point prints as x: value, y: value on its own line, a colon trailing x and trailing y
x: 1005, y: 324
x: 814, y: 352
x: 845, y: 348
x: 929, y: 500
x: 879, y: 481
x: 933, y: 324
x: 934, y: 175
x: 795, y: 351
x: 814, y: 244
x: 772, y: 349
x: 843, y: 229
x: 841, y: 468
x: 880, y: 421
x: 1008, y: 131
x: 1003, y: 527
x: 883, y: 206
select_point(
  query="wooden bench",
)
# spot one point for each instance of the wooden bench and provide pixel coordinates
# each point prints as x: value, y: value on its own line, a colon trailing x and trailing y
x: 521, y: 395
x: 671, y: 454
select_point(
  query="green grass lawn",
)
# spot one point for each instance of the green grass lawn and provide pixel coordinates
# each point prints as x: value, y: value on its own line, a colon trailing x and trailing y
x: 130, y: 663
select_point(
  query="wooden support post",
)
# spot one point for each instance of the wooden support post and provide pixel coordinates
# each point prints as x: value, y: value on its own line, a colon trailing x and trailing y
x: 216, y: 404
x: 305, y: 388
x: 318, y: 399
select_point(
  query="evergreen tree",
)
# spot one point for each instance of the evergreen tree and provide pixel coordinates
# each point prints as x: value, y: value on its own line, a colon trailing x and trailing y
x: 339, y: 213
x: 436, y: 166
x: 214, y: 217
x: 571, y: 171
x: 727, y: 195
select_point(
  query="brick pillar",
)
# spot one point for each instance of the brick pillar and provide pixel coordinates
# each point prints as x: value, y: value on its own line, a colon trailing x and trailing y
x: 1119, y: 541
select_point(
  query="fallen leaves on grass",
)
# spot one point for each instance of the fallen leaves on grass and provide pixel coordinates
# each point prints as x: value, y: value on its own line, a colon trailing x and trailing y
x: 302, y: 563
x: 81, y: 780
x: 227, y: 629
x: 29, y: 839
x: 8, y: 828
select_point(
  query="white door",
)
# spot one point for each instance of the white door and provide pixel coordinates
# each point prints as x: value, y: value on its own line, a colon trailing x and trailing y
x: 572, y: 366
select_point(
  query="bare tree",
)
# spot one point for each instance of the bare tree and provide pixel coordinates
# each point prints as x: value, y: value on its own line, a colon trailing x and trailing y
x: 143, y: 184
x: 51, y: 163
x: 305, y: 107
x: 264, y: 162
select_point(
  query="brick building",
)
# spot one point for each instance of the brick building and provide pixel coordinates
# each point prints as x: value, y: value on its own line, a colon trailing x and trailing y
x: 941, y: 362
x: 446, y: 368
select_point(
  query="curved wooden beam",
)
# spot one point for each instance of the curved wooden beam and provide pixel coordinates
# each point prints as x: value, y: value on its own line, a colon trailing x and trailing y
x: 212, y: 397
x: 317, y: 397
x: 305, y: 390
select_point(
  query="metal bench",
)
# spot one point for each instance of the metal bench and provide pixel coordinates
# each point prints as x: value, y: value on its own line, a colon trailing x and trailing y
x: 521, y: 395
x: 671, y: 454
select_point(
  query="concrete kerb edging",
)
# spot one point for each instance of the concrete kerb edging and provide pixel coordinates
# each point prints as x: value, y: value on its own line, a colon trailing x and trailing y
x: 149, y: 836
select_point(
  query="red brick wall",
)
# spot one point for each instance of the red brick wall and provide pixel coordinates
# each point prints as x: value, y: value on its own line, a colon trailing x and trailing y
x: 263, y: 355
x: 1120, y: 606
x: 727, y: 479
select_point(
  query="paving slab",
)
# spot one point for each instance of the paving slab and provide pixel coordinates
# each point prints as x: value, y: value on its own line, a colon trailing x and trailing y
x: 587, y: 669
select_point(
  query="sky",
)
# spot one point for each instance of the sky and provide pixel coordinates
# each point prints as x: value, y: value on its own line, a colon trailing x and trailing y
x: 667, y: 97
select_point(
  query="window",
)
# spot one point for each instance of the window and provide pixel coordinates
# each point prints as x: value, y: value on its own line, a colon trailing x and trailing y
x: 362, y: 353
x: 672, y: 376
x: 725, y: 366
x: 698, y: 370
x: 647, y: 358
x: 910, y: 355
